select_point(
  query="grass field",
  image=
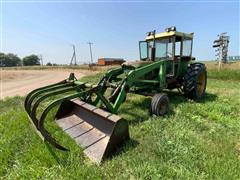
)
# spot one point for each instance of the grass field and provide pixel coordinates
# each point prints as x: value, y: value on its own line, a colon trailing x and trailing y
x: 197, y: 140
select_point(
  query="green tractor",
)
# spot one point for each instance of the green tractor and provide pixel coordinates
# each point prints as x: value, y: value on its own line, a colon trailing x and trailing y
x: 87, y: 112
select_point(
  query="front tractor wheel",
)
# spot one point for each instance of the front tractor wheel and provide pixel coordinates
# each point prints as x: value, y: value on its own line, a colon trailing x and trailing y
x: 160, y: 104
x: 195, y: 81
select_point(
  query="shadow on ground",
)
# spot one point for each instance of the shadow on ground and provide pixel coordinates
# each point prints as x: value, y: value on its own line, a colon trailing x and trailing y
x: 139, y: 111
x: 54, y: 152
x: 126, y: 146
x: 61, y: 157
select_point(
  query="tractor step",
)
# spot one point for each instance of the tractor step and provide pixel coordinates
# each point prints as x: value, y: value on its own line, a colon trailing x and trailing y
x: 97, y: 131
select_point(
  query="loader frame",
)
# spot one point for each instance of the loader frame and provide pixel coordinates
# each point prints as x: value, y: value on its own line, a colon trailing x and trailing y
x: 85, y: 91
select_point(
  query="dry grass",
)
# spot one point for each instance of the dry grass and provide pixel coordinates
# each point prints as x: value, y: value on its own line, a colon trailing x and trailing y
x: 14, y: 73
x: 230, y: 66
x: 63, y: 67
x: 8, y: 74
x: 229, y: 71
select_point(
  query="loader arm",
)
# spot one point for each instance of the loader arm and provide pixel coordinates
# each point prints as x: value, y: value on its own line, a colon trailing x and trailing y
x: 131, y: 78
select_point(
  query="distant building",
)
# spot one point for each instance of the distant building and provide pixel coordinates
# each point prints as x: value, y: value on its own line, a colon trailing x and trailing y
x: 110, y: 61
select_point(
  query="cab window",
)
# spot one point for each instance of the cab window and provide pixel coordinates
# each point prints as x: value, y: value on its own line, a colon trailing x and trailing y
x: 143, y: 47
x: 164, y: 48
x: 187, y: 47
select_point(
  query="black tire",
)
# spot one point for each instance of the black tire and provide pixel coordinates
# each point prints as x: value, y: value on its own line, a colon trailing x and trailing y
x: 195, y: 81
x: 159, y: 104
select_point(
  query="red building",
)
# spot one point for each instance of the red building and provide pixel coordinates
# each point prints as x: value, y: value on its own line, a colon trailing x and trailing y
x: 110, y: 61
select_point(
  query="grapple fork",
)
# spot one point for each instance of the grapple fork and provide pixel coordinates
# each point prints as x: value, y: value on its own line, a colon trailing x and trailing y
x: 99, y: 132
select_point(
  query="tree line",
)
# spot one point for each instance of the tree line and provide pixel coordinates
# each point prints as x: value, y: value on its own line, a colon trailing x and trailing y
x: 10, y: 60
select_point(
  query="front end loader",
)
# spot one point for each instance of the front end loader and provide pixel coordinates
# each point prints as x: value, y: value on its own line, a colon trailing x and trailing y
x: 89, y: 115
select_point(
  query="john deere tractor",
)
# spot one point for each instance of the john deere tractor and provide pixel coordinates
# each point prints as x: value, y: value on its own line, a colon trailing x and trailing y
x: 88, y: 114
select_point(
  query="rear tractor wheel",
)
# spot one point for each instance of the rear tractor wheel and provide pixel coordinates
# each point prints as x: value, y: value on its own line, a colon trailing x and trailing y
x: 195, y: 81
x: 160, y: 104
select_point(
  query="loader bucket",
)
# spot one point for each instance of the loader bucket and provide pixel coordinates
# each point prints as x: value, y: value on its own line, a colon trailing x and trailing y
x: 97, y: 131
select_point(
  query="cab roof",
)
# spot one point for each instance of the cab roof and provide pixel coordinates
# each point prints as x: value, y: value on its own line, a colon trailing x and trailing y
x: 169, y: 34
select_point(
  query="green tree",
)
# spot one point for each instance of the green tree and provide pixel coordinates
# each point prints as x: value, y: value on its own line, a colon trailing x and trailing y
x: 31, y: 60
x: 49, y: 64
x: 8, y: 60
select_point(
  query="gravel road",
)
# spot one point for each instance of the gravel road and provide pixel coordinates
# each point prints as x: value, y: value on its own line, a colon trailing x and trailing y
x: 21, y: 82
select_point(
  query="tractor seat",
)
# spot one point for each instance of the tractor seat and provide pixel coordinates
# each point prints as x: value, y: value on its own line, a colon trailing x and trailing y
x: 184, y: 58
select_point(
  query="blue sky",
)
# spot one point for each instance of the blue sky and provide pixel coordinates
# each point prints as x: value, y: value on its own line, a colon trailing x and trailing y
x: 49, y: 28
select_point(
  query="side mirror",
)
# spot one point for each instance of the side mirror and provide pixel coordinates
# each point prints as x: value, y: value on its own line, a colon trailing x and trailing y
x: 193, y: 58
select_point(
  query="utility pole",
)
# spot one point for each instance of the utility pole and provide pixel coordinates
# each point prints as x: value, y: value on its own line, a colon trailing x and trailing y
x: 90, y: 47
x: 73, y: 57
x: 221, y: 45
x: 41, y: 59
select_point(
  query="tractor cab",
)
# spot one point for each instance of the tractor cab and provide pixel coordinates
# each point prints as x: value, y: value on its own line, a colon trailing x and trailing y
x: 171, y: 45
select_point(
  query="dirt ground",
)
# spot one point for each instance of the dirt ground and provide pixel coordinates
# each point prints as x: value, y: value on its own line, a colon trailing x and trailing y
x: 21, y: 82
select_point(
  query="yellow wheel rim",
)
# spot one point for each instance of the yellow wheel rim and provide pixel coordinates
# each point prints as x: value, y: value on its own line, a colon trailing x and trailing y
x: 201, y: 83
